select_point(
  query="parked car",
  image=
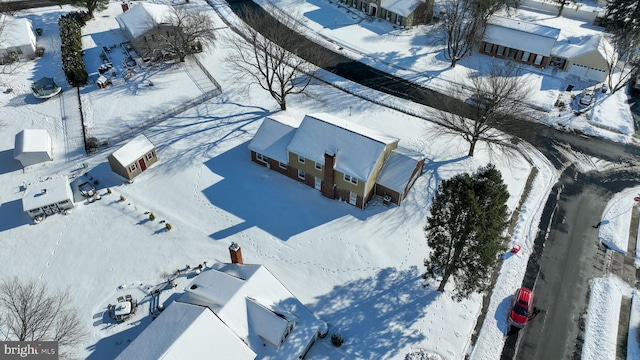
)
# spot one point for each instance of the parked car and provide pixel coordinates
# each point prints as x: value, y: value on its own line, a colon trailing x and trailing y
x: 587, y: 98
x: 521, y: 308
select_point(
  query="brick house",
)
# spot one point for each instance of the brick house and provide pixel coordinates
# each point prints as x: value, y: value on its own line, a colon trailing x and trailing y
x: 399, y: 12
x: 342, y: 160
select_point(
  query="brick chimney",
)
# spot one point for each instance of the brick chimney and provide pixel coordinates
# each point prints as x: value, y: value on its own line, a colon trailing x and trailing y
x: 125, y: 6
x: 327, y: 187
x: 236, y: 253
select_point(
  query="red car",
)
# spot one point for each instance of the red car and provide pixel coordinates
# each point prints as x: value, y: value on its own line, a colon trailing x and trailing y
x: 521, y: 307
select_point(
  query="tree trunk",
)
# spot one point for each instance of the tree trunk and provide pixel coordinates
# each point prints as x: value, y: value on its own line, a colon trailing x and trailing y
x: 454, y: 60
x: 472, y: 147
x: 283, y: 104
x: 445, y: 278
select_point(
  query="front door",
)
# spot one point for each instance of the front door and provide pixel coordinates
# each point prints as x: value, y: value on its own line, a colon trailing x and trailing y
x: 318, y: 183
x: 143, y: 165
x: 353, y: 198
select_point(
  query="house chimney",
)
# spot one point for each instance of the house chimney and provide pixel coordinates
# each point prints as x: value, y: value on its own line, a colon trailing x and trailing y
x: 125, y: 6
x: 328, y: 188
x: 236, y: 253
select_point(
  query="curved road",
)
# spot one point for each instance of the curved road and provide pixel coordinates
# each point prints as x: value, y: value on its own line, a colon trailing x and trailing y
x: 567, y: 252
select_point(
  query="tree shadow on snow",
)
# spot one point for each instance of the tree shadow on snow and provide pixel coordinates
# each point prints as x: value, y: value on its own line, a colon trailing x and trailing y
x: 374, y: 314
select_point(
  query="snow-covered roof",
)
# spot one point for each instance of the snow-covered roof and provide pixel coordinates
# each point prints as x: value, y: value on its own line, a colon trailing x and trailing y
x: 186, y: 331
x: 522, y: 35
x: 356, y: 147
x: 401, y: 7
x: 273, y: 136
x: 255, y: 305
x: 16, y: 32
x: 143, y: 17
x: 133, y: 150
x: 32, y: 146
x: 398, y: 169
x: 572, y: 47
x: 46, y: 192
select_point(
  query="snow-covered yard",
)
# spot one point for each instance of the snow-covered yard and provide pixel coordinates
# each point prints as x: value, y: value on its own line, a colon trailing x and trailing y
x: 358, y: 270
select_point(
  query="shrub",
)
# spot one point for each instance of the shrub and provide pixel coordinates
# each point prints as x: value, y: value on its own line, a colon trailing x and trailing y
x: 337, y: 340
x: 152, y: 216
x: 122, y: 198
x: 108, y: 190
x: 168, y: 226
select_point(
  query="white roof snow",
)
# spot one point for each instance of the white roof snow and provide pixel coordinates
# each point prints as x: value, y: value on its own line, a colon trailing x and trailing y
x: 356, y: 147
x: 401, y: 7
x: 17, y: 32
x: 143, y: 17
x: 186, y: 331
x: 273, y: 136
x: 398, y: 169
x: 521, y: 35
x: 231, y: 290
x: 133, y: 150
x: 32, y: 146
x: 573, y: 47
x: 46, y: 192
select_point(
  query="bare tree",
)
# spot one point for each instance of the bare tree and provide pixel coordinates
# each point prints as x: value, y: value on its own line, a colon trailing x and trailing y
x: 623, y: 60
x: 464, y: 24
x: 183, y: 32
x: 264, y: 58
x: 28, y: 312
x: 495, y: 99
x: 91, y: 5
x: 561, y: 4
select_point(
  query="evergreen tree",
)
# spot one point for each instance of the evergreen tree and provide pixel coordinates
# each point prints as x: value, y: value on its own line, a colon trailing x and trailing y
x: 465, y: 230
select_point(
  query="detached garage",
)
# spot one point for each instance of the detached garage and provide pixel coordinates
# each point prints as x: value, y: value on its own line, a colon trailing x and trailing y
x: 134, y: 157
x: 32, y: 146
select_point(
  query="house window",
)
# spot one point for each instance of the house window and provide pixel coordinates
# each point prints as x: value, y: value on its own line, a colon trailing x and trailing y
x: 144, y: 38
x: 63, y: 202
x: 500, y: 50
x: 525, y: 56
x: 301, y: 159
x: 488, y: 47
x: 150, y: 156
x: 301, y: 174
x: 512, y: 53
x: 318, y: 166
x: 538, y: 60
x: 132, y: 167
x: 282, y: 165
x: 261, y: 157
x: 351, y: 179
x: 34, y: 211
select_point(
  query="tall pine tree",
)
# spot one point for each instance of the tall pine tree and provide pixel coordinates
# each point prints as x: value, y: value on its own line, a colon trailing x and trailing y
x: 465, y: 230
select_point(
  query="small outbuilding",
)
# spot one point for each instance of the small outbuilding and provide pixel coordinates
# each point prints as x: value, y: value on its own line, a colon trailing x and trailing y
x: 47, y: 197
x: 32, y: 146
x: 17, y: 38
x: 134, y: 157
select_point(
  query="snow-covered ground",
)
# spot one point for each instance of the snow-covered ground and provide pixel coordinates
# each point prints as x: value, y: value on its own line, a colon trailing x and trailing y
x: 359, y: 270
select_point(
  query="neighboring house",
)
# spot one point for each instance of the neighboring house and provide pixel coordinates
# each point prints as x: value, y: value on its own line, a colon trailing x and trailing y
x: 134, y: 157
x: 32, y: 146
x: 17, y: 37
x: 47, y: 197
x: 145, y: 25
x: 231, y: 311
x: 341, y: 159
x: 399, y: 12
x: 542, y: 46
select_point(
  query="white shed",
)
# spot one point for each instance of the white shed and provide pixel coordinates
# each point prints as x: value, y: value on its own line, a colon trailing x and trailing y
x: 47, y: 197
x: 32, y: 146
x: 17, y: 37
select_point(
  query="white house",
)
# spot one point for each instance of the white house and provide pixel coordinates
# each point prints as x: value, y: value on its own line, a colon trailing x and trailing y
x: 145, y: 25
x: 233, y: 310
x: 47, y: 197
x: 17, y: 37
x: 32, y: 146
